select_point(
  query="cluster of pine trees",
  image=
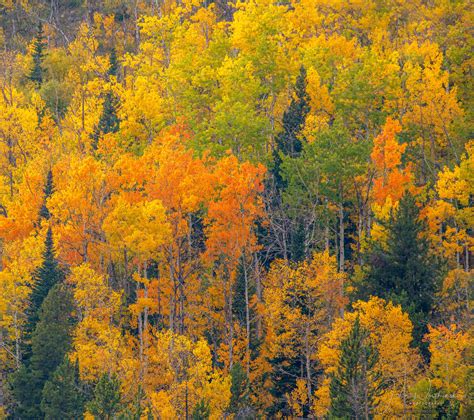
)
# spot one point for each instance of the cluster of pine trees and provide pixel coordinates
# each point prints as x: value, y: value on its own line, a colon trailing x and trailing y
x: 236, y: 210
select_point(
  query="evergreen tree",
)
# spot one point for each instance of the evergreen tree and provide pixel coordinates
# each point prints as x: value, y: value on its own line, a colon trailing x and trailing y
x: 108, y: 121
x: 51, y: 340
x: 113, y: 63
x: 288, y: 142
x: 62, y: 396
x: 238, y: 388
x: 39, y: 47
x: 405, y: 272
x: 48, y: 191
x: 283, y: 379
x: 107, y: 399
x: 45, y: 277
x: 201, y: 410
x: 356, y: 384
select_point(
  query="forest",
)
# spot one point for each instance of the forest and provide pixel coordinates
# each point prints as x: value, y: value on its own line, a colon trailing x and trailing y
x: 259, y: 209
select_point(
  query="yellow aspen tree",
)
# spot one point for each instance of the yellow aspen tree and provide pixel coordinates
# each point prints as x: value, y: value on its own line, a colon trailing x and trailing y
x: 390, y: 332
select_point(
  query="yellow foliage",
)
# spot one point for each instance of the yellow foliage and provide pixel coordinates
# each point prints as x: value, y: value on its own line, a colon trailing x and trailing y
x: 390, y: 331
x: 450, y: 364
x: 186, y: 374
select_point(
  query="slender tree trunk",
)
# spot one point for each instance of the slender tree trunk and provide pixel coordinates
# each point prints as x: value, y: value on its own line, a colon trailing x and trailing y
x: 326, y: 227
x: 231, y: 328
x: 247, y: 314
x: 308, y: 365
x: 258, y: 284
x: 341, y: 234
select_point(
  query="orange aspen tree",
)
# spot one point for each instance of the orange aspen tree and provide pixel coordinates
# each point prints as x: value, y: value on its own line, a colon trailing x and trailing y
x: 235, y: 205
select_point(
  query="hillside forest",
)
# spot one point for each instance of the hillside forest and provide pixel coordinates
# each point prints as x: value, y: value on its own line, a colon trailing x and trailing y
x: 259, y: 209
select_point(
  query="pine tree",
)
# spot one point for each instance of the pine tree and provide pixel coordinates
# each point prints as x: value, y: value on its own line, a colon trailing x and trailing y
x: 107, y: 399
x: 285, y: 370
x: 238, y: 388
x: 108, y: 121
x: 51, y: 340
x: 48, y: 191
x: 39, y: 47
x: 288, y: 142
x: 406, y: 272
x: 201, y: 410
x: 285, y: 229
x: 45, y: 277
x: 113, y: 63
x: 62, y: 396
x: 356, y: 384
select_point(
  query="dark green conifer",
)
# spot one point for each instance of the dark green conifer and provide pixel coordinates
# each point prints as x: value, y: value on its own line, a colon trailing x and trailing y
x: 356, y: 383
x: 113, y: 63
x: 405, y: 272
x: 39, y: 47
x: 239, y: 389
x: 63, y: 396
x: 45, y: 277
x: 288, y: 142
x: 106, y: 402
x: 48, y: 191
x: 201, y: 410
x: 289, y: 145
x: 50, y: 342
x: 108, y: 121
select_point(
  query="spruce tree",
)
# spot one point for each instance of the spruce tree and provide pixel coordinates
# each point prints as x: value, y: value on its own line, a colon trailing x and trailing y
x: 48, y: 191
x: 356, y: 383
x: 285, y: 370
x: 201, y: 410
x: 289, y: 145
x: 45, y: 277
x: 113, y: 63
x: 62, y: 396
x: 39, y: 47
x: 288, y: 142
x: 108, y: 121
x: 405, y: 271
x: 107, y: 399
x: 238, y: 389
x: 50, y: 342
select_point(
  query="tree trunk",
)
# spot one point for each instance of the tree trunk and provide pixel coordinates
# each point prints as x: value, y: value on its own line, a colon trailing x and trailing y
x: 247, y: 315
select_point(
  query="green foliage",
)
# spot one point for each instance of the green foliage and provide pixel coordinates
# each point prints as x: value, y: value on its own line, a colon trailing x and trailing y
x: 63, y: 397
x: 435, y: 403
x: 289, y: 142
x: 137, y: 410
x: 406, y: 271
x: 324, y: 164
x: 289, y: 145
x: 283, y: 379
x: 201, y: 410
x: 51, y: 340
x: 37, y: 72
x: 315, y: 183
x: 107, y: 398
x: 239, y: 388
x: 45, y: 277
x: 113, y: 63
x: 48, y: 191
x: 109, y: 121
x: 356, y: 383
